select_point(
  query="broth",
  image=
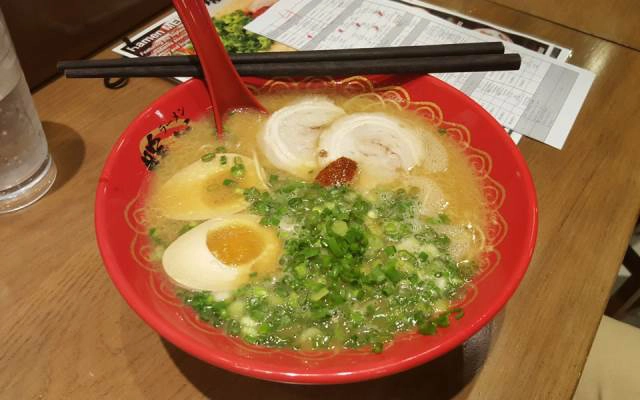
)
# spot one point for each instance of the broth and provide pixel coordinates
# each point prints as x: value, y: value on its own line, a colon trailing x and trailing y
x: 383, y: 230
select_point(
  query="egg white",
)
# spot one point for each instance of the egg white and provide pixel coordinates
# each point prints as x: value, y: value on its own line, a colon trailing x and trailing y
x: 191, y: 265
x: 189, y: 195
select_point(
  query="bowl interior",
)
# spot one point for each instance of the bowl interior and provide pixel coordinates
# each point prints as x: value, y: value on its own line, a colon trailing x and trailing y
x: 123, y: 244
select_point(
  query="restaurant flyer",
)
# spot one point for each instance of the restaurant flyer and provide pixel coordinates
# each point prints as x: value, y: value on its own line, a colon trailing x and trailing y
x: 168, y: 37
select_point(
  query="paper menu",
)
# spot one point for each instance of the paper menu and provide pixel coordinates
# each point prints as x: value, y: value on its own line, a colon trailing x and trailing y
x: 541, y: 100
x: 167, y: 36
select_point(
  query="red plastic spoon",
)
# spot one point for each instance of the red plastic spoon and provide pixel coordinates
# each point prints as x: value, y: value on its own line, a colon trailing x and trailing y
x: 226, y: 90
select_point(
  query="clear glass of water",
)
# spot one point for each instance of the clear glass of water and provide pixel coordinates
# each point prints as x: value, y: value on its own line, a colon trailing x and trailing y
x: 27, y: 171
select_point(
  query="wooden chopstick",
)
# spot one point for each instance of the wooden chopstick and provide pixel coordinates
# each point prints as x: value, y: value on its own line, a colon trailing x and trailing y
x: 459, y: 49
x: 424, y: 65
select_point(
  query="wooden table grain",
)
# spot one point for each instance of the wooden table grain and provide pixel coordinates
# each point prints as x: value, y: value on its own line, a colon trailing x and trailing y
x: 67, y: 334
x: 615, y: 20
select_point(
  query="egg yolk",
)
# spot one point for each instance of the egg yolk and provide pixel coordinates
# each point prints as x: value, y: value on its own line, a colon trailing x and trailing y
x: 235, y: 245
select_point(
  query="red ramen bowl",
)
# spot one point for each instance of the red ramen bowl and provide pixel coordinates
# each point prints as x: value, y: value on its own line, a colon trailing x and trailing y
x: 126, y: 251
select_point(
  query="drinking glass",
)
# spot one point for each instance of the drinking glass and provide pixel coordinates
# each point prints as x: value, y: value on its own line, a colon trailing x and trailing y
x: 26, y: 168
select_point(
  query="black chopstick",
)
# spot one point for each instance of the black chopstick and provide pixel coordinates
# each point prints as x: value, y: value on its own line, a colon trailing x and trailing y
x: 424, y: 65
x: 301, y: 56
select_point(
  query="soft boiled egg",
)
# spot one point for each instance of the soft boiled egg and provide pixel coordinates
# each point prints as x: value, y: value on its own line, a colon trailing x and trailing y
x: 220, y: 254
x: 208, y: 188
x: 290, y: 137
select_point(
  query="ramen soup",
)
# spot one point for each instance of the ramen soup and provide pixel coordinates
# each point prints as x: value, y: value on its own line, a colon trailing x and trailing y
x: 329, y: 223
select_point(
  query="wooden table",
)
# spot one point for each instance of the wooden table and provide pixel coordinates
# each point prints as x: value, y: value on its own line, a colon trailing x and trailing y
x: 615, y: 20
x: 66, y: 333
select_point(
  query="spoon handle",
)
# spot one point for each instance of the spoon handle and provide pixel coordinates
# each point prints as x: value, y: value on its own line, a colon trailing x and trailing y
x: 226, y: 90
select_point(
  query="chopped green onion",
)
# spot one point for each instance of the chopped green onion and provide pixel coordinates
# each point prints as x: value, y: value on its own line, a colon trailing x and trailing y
x: 238, y: 170
x: 318, y: 295
x: 378, y: 276
x: 153, y: 234
x: 377, y: 347
x: 340, y: 227
x: 357, y: 317
x: 458, y: 313
x: 228, y: 182
x: 223, y: 160
x: 301, y: 270
x: 392, y: 273
x: 427, y: 328
x: 208, y: 157
x: 391, y: 227
x: 442, y: 320
x: 334, y: 247
x: 390, y: 250
x: 344, y: 279
x: 187, y: 227
x: 440, y: 219
x: 311, y: 252
x: 270, y: 221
